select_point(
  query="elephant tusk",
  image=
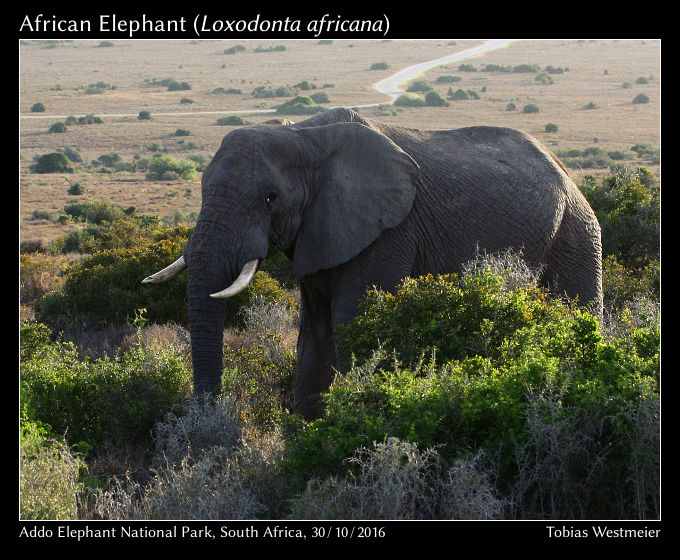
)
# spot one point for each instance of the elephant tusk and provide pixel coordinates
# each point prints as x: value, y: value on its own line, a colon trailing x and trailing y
x: 167, y: 273
x: 247, y: 273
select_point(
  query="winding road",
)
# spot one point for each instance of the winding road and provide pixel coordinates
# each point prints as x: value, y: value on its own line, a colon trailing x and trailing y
x: 389, y: 86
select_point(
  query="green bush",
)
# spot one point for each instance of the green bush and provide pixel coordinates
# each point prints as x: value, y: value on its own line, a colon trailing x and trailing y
x: 551, y: 127
x: 106, y: 289
x: 526, y: 68
x: 235, y: 49
x: 162, y: 168
x: 433, y: 99
x: 627, y: 205
x: 409, y: 100
x: 458, y: 319
x: 114, y: 400
x: 320, y: 97
x: 379, y: 66
x: 419, y: 85
x: 300, y: 105
x: 231, y: 120
x: 57, y: 127
x: 38, y: 108
x: 174, y: 85
x: 496, y: 350
x: 641, y: 98
x: 530, y: 108
x: 55, y: 162
x: 49, y: 476
x: 144, y: 115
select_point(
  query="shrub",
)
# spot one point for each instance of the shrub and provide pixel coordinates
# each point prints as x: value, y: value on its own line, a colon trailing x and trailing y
x: 109, y: 159
x: 38, y: 108
x: 320, y: 97
x: 75, y: 189
x: 276, y: 48
x: 106, y: 289
x: 144, y: 116
x: 167, y: 167
x: 530, y: 108
x: 433, y: 99
x: 182, y: 132
x: 263, y: 286
x: 57, y: 127
x: 49, y: 477
x: 115, y: 400
x: 379, y: 66
x: 39, y: 275
x: 95, y: 212
x: 526, y: 68
x: 544, y: 78
x: 174, y: 85
x: 224, y: 483
x: 305, y: 85
x: 448, y: 79
x: 195, y: 427
x: 300, y: 105
x: 460, y: 95
x: 396, y: 480
x: 55, y: 162
x: 551, y: 127
x: 231, y: 120
x: 409, y: 100
x: 419, y: 86
x: 628, y: 208
x: 641, y: 98
x: 497, y: 350
x: 235, y: 49
x: 72, y: 154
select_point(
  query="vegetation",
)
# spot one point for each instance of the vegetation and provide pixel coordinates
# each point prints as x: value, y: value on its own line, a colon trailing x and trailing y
x: 300, y: 105
x: 471, y: 396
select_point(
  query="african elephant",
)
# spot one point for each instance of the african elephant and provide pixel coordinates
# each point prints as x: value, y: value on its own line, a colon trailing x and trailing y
x: 355, y: 203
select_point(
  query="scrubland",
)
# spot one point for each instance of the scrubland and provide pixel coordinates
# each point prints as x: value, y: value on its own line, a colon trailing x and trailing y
x: 470, y: 397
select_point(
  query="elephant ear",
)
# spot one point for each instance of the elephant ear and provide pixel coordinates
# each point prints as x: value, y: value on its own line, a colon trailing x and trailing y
x: 364, y: 184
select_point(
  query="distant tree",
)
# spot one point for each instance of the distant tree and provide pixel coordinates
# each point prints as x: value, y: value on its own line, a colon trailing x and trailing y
x: 55, y: 162
x: 58, y: 127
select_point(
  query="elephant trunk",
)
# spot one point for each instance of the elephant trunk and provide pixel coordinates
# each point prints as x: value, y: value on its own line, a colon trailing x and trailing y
x: 206, y: 321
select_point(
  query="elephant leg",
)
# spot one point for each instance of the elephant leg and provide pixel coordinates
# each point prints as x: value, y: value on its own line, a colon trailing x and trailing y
x: 574, y: 264
x: 315, y: 353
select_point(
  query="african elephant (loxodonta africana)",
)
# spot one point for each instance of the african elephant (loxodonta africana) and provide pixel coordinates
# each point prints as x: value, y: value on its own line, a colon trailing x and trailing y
x: 356, y: 203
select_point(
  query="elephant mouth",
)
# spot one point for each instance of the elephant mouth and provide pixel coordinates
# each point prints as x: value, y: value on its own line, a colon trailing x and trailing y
x: 180, y: 265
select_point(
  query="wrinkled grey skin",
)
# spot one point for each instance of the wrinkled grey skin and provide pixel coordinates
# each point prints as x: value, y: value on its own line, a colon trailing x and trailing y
x: 358, y: 203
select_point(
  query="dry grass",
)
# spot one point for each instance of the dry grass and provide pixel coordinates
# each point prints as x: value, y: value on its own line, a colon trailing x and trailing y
x: 597, y: 70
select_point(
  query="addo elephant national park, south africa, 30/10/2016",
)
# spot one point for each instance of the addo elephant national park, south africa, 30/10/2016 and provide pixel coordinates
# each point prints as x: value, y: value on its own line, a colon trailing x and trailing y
x: 590, y: 101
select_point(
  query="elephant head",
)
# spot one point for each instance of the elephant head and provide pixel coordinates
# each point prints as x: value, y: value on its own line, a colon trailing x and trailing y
x: 321, y: 194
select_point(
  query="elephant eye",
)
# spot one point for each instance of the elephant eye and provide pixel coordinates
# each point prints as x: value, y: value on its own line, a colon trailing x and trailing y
x: 271, y: 198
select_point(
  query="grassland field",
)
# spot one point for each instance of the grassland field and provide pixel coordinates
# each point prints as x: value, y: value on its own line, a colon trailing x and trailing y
x: 57, y: 74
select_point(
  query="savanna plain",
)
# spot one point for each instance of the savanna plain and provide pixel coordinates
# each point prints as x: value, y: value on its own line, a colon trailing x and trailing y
x: 559, y: 421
